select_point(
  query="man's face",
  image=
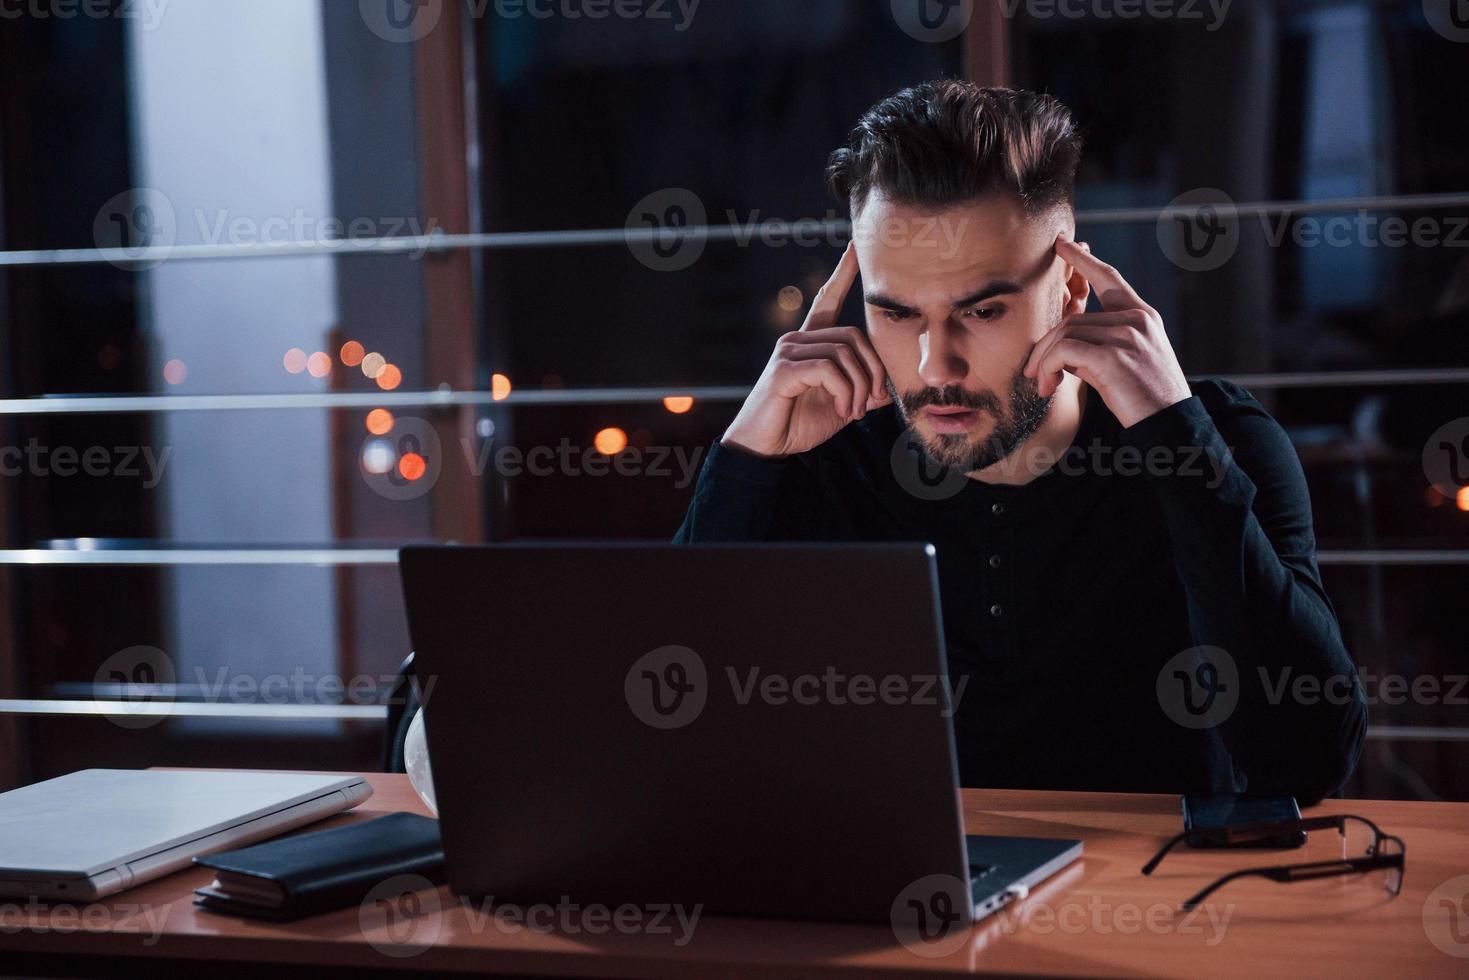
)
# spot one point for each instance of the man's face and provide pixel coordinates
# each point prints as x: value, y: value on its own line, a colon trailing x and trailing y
x: 955, y: 301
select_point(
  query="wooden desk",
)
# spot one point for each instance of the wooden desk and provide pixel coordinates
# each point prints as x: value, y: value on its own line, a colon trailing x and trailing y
x: 1099, y: 917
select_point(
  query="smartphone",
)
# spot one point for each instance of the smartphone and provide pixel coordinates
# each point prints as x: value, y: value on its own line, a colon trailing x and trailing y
x: 1202, y: 812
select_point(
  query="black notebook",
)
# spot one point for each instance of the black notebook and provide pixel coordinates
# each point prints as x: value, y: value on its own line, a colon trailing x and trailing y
x: 308, y: 874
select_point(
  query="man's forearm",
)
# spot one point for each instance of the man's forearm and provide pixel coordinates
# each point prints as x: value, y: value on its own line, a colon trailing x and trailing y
x: 1257, y: 595
x: 736, y: 498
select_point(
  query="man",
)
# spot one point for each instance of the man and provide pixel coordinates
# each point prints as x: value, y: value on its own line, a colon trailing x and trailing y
x: 1126, y: 562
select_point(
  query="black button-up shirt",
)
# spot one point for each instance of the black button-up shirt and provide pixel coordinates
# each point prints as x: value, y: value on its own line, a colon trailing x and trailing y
x: 1138, y: 617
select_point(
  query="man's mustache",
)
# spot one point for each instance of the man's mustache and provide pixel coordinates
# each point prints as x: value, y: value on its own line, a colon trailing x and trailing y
x: 950, y: 397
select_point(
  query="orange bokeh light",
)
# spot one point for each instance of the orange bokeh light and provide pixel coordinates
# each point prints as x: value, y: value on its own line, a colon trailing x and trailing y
x: 319, y: 365
x: 610, y: 442
x: 352, y: 353
x: 1462, y: 498
x: 379, y: 421
x: 678, y: 404
x: 175, y: 371
x: 499, y: 387
x: 389, y: 377
x: 412, y: 466
x: 295, y: 360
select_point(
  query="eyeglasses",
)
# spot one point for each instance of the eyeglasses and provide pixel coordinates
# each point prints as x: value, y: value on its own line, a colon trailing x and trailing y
x: 1366, y: 850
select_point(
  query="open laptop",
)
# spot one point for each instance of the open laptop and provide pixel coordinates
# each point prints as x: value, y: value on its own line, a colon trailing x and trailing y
x: 762, y: 730
x: 93, y: 833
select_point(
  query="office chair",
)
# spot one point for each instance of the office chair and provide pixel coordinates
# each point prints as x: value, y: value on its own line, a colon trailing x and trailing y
x: 403, y: 704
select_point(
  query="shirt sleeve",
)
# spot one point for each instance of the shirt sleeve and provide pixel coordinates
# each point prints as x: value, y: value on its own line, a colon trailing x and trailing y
x: 1238, y: 513
x: 743, y: 497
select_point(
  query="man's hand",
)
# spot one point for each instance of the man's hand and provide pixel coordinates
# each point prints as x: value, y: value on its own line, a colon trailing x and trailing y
x: 1123, y: 352
x: 820, y: 378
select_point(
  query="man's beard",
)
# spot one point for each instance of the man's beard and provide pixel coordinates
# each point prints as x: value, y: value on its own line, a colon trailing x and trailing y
x: 1013, y: 424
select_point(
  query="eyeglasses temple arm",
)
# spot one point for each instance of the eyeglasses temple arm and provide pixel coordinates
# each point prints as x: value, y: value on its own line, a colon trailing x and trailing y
x: 1274, y: 874
x: 1158, y: 858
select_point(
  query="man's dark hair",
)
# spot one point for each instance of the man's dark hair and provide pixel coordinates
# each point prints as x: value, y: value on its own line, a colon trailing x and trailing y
x: 949, y: 142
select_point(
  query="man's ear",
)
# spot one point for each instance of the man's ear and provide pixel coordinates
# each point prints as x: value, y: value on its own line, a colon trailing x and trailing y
x: 1077, y: 291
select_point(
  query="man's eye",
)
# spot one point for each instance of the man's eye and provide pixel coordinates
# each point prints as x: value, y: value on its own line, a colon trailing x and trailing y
x: 984, y: 313
x: 895, y: 316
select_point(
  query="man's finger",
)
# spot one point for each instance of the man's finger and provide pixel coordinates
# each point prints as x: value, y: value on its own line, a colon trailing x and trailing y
x: 1068, y: 354
x: 819, y: 372
x: 851, y: 365
x: 859, y: 341
x: 829, y: 299
x: 1072, y: 324
x: 1101, y: 335
x: 1113, y: 292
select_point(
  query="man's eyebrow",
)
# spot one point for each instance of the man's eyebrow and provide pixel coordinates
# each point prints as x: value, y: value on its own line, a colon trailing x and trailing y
x: 999, y: 287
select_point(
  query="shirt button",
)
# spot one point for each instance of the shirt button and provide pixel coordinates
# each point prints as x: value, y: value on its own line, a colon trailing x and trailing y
x: 994, y: 561
x: 997, y: 509
x: 996, y: 610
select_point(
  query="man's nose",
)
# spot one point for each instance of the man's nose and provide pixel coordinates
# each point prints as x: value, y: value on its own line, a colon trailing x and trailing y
x: 941, y: 363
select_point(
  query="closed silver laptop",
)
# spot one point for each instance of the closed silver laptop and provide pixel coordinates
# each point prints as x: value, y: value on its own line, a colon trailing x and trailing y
x: 93, y: 833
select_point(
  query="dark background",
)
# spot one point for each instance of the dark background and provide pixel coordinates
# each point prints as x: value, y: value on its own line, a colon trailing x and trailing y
x: 532, y: 125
